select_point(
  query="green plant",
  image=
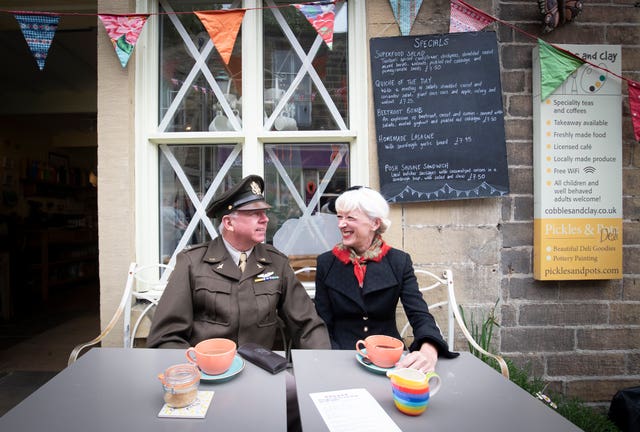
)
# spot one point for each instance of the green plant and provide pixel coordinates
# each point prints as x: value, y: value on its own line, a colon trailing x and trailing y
x: 482, y: 331
x: 572, y: 409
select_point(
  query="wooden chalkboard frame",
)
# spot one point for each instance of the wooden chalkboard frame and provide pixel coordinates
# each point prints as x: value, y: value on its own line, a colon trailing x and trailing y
x: 439, y: 117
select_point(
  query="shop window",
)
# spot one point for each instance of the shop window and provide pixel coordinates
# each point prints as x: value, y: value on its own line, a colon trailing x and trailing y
x: 206, y: 144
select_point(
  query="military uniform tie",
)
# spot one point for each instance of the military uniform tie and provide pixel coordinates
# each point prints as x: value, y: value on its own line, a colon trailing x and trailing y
x: 243, y: 261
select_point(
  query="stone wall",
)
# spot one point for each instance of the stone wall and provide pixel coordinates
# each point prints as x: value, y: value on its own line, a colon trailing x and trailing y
x: 581, y: 336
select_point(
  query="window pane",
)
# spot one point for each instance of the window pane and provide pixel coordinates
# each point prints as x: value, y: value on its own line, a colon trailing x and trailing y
x: 200, y: 165
x: 188, y: 102
x: 319, y: 104
x: 299, y: 179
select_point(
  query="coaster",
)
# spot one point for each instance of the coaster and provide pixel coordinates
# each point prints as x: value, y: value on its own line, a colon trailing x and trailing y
x: 198, y: 409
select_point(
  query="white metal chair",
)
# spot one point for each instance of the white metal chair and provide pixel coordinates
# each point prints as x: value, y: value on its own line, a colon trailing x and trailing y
x: 145, y: 284
x: 453, y: 314
x: 306, y: 276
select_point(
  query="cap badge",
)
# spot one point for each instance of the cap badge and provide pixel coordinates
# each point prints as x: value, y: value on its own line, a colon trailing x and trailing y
x: 255, y: 188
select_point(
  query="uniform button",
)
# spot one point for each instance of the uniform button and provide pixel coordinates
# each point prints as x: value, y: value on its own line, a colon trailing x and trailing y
x: 366, y: 328
x: 365, y: 318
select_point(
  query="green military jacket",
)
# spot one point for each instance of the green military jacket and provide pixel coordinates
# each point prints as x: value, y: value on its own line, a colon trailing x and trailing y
x: 208, y: 297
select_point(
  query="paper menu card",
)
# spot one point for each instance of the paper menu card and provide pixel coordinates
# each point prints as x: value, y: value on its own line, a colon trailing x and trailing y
x: 198, y: 409
x: 352, y: 410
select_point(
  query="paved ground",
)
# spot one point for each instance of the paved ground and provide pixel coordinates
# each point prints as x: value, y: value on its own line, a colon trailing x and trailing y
x: 34, y: 349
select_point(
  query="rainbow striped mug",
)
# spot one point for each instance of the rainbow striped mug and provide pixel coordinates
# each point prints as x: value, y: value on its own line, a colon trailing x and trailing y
x: 412, y: 389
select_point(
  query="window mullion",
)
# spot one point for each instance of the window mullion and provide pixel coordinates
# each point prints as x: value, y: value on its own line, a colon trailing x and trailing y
x: 252, y: 91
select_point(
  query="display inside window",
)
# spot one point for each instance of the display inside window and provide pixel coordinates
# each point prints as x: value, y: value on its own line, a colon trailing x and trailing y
x: 189, y: 178
x: 198, y: 91
x: 305, y: 81
x: 301, y: 180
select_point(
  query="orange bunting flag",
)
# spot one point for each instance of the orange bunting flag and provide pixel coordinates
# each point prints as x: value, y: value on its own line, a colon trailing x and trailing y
x: 223, y: 27
x: 123, y: 30
x: 634, y: 105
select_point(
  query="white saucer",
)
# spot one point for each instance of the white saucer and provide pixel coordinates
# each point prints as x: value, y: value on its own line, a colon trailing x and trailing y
x: 236, y: 367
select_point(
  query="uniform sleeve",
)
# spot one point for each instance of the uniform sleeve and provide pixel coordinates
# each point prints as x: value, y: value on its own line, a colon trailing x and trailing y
x: 173, y: 319
x: 422, y: 321
x: 299, y: 314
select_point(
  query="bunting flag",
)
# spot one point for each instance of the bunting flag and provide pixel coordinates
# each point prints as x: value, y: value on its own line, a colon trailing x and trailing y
x: 38, y: 31
x: 223, y: 27
x: 634, y: 105
x: 405, y: 12
x: 555, y: 67
x: 466, y: 18
x: 124, y: 30
x: 321, y: 18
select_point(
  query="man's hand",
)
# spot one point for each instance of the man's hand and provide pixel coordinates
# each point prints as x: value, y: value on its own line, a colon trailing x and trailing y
x: 424, y: 360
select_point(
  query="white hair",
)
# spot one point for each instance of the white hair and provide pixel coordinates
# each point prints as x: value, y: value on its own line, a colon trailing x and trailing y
x: 367, y: 201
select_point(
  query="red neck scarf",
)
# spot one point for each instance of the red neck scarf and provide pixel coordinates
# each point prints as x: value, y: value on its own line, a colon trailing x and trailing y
x: 346, y: 255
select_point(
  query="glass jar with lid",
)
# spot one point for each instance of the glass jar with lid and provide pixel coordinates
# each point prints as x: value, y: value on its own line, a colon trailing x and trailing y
x: 180, y: 383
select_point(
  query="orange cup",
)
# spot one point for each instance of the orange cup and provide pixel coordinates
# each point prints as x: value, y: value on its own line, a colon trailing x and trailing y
x: 383, y: 351
x: 212, y: 356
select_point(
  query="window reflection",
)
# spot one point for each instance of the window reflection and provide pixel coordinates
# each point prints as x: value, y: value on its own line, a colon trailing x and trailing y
x: 293, y: 100
x: 189, y: 99
x: 198, y: 165
x: 300, y: 180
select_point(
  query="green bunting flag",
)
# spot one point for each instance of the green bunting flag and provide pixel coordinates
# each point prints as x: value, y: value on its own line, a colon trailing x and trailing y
x: 555, y: 67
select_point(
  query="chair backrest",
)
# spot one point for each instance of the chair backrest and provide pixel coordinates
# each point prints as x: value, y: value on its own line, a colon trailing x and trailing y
x: 445, y: 283
x: 140, y: 284
x: 438, y: 287
x: 147, y: 285
x: 307, y: 277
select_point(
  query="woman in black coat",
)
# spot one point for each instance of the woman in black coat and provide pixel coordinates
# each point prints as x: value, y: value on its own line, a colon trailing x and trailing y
x: 360, y: 281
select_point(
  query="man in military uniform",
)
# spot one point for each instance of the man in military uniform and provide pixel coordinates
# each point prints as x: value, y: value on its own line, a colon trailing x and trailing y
x: 236, y: 287
x: 208, y: 294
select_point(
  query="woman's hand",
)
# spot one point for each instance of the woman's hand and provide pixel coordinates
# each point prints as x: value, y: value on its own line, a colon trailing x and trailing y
x: 424, y: 360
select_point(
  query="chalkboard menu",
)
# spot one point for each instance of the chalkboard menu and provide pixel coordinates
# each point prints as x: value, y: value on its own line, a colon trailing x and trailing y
x: 439, y: 118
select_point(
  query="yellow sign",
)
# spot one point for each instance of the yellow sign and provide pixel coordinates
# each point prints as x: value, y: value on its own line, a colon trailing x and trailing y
x: 577, y: 249
x: 577, y: 163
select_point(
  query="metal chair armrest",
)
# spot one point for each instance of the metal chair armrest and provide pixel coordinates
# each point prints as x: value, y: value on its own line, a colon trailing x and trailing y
x: 453, y: 304
x: 78, y: 348
x: 126, y: 296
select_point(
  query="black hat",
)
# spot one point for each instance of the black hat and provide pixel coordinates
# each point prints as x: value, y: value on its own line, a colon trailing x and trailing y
x: 246, y: 195
x: 331, y: 205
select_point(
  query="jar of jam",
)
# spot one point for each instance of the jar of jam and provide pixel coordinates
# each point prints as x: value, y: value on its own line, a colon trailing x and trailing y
x: 180, y: 383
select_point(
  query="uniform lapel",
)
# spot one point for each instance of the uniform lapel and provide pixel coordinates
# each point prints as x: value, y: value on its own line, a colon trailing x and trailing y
x: 220, y: 260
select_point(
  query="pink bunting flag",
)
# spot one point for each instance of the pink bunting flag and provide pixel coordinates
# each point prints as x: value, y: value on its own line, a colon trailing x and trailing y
x: 223, y: 27
x: 124, y: 30
x: 634, y: 105
x: 466, y: 18
x: 38, y: 31
x: 321, y: 18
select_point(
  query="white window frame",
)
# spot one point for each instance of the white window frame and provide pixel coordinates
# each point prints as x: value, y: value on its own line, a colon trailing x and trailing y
x: 148, y: 139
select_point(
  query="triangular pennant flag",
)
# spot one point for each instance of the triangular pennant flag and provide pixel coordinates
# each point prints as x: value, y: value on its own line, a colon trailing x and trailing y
x: 223, y: 27
x: 38, y: 31
x: 555, y: 66
x: 321, y: 18
x: 124, y: 30
x: 405, y: 12
x: 634, y: 105
x: 466, y: 18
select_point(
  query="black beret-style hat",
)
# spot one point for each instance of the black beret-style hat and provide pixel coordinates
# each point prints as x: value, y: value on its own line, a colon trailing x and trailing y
x: 250, y: 190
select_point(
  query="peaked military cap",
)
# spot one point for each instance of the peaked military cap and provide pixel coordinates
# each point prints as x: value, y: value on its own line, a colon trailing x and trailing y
x: 248, y: 194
